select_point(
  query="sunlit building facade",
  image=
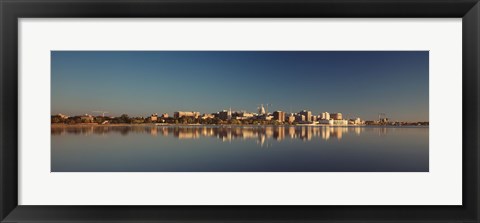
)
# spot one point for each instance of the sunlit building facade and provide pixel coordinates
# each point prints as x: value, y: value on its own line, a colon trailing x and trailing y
x: 307, y: 114
x: 279, y: 116
x: 325, y: 116
x: 336, y: 116
x: 180, y: 114
x: 291, y: 118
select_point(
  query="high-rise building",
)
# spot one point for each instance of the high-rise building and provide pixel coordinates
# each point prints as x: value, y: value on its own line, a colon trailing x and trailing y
x: 336, y: 116
x: 279, y: 116
x: 325, y: 116
x: 307, y: 114
x: 225, y: 114
x: 300, y: 118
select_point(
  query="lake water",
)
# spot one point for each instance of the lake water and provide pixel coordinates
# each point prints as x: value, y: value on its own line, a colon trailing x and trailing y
x: 239, y: 149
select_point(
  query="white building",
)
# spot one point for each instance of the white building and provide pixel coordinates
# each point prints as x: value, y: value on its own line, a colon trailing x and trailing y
x: 261, y: 110
x: 358, y: 121
x: 325, y: 116
x: 333, y: 122
x: 340, y: 122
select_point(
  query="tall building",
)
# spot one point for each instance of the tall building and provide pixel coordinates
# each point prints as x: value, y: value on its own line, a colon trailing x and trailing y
x: 307, y: 114
x: 279, y: 116
x: 325, y: 116
x: 336, y: 116
x: 225, y: 114
x: 300, y: 118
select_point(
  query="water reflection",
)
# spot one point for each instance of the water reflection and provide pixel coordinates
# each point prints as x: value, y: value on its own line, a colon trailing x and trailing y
x: 142, y: 148
x: 226, y: 133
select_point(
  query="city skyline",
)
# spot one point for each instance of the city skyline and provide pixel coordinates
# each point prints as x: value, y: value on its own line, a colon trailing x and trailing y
x: 356, y: 83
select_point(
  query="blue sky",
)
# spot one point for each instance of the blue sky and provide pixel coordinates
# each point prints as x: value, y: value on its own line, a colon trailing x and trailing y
x: 138, y: 83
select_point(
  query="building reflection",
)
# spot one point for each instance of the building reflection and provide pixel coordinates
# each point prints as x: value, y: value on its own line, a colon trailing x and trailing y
x: 262, y: 134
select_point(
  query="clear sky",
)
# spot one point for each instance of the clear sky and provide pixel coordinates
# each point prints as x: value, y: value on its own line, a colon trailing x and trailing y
x: 139, y: 83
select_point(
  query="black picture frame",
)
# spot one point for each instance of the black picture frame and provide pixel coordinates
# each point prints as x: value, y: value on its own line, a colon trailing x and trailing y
x: 12, y: 10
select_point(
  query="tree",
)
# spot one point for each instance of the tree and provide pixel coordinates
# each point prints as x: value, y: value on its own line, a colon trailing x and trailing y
x: 124, y: 118
x: 99, y: 120
x: 56, y: 119
x: 77, y: 119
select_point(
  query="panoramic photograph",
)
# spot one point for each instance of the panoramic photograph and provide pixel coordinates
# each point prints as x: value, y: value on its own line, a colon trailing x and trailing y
x: 239, y: 111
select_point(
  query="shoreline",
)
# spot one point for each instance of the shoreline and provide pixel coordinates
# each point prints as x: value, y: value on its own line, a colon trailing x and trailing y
x: 223, y: 125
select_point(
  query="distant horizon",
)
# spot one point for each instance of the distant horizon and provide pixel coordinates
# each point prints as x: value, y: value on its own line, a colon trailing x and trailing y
x: 139, y: 83
x: 201, y: 113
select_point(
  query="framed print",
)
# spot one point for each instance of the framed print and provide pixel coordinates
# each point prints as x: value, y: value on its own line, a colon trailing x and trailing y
x: 270, y: 111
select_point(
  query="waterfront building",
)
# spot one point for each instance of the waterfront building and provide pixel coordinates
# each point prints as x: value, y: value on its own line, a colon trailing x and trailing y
x: 340, y: 122
x: 225, y: 114
x: 357, y: 121
x: 207, y: 116
x: 333, y: 122
x: 279, y: 116
x: 164, y: 115
x: 267, y: 117
x: 291, y: 118
x: 62, y: 116
x: 325, y: 116
x: 325, y: 122
x: 153, y: 117
x: 243, y: 115
x: 192, y: 114
x: 370, y: 122
x: 300, y: 118
x: 336, y: 116
x: 383, y: 120
x: 307, y: 114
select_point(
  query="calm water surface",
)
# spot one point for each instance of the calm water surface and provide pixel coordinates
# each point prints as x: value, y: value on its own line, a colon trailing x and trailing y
x: 239, y: 149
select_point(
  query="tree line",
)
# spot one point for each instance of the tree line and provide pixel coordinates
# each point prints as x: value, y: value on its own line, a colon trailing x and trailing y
x: 126, y: 119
